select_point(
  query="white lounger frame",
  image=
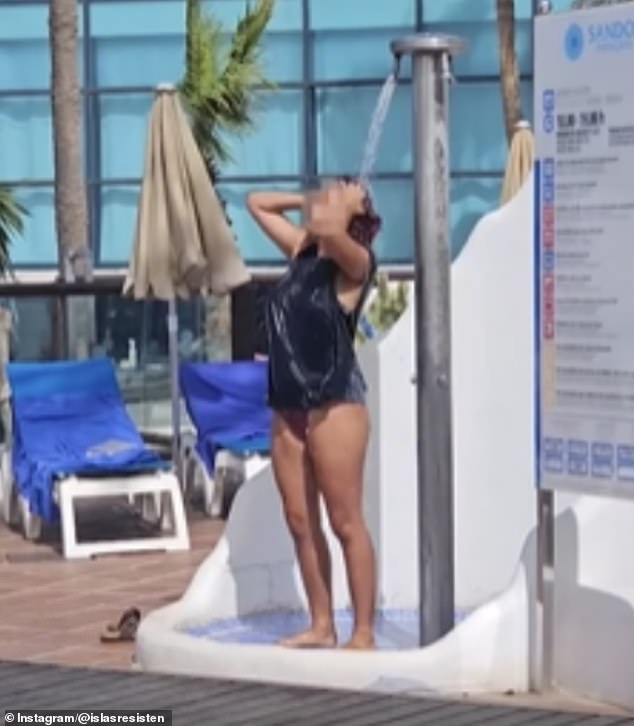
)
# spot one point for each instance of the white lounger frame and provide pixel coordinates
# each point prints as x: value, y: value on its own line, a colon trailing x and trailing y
x: 214, y: 488
x: 154, y: 490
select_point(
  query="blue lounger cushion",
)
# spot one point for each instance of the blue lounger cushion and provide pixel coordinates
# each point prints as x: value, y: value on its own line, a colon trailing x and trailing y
x: 226, y: 402
x: 69, y: 418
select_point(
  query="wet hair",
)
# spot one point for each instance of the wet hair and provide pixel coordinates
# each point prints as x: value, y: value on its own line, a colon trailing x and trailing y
x: 363, y: 227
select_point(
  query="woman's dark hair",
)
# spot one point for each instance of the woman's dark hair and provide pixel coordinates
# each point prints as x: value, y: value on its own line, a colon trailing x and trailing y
x: 364, y: 227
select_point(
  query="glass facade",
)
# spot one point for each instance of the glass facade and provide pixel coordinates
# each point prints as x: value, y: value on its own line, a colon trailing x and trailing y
x: 328, y: 58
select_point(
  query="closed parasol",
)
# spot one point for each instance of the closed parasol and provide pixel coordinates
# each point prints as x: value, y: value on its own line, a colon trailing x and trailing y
x: 520, y: 161
x: 183, y: 246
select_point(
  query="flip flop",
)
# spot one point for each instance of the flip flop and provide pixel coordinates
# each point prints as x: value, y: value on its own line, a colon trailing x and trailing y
x: 124, y: 630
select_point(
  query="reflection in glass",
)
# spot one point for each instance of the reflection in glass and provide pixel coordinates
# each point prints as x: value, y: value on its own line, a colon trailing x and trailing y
x: 38, y: 243
x: 131, y: 333
x: 343, y: 120
x: 26, y: 147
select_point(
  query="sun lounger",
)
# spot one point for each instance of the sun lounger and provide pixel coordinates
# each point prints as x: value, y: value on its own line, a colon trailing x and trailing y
x: 72, y: 439
x: 226, y: 402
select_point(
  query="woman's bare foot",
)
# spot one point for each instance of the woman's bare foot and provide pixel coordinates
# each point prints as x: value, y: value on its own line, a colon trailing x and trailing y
x: 311, y: 638
x: 361, y: 640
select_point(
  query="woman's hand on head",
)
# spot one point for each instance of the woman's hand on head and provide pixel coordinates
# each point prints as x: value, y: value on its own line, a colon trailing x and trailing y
x: 327, y: 213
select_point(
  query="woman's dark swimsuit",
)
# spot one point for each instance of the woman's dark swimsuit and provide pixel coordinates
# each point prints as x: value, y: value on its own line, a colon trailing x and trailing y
x: 312, y: 361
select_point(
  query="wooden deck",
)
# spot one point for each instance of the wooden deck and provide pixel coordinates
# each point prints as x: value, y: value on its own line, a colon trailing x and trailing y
x: 195, y: 701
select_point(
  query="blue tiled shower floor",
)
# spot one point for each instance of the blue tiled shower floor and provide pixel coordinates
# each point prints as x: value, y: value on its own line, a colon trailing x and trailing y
x: 395, y: 629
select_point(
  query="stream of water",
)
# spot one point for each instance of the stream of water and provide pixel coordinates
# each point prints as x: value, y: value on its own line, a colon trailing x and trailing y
x: 377, y: 123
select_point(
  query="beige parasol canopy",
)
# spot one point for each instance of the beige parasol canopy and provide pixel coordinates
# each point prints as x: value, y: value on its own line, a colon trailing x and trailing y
x: 520, y: 161
x: 183, y: 245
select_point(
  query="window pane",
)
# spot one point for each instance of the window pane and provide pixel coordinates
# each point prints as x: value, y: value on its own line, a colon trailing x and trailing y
x: 393, y: 202
x: 124, y: 125
x: 275, y: 145
x: 281, y: 46
x: 138, y: 43
x: 254, y: 246
x: 38, y: 244
x: 352, y: 39
x: 343, y: 121
x: 477, y: 136
x: 476, y: 23
x: 118, y: 208
x: 143, y: 43
x: 467, y: 10
x: 24, y: 50
x: 562, y: 6
x: 31, y: 328
x: 470, y: 199
x: 26, y: 147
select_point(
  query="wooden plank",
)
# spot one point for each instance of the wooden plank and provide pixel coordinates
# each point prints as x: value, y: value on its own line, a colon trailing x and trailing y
x: 473, y: 716
x: 40, y: 686
x: 311, y: 708
x: 99, y: 689
x: 18, y: 679
x: 306, y: 705
x: 250, y: 711
x: 139, y: 691
x: 533, y: 717
x: 379, y: 707
x: 484, y: 714
x: 401, y: 709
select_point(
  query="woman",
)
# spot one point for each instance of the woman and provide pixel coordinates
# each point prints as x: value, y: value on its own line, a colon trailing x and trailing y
x: 317, y: 392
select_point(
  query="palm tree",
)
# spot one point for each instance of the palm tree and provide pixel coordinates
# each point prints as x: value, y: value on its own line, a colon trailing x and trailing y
x: 219, y: 90
x: 11, y: 224
x: 219, y: 87
x: 70, y: 195
x: 509, y: 73
x: 72, y: 320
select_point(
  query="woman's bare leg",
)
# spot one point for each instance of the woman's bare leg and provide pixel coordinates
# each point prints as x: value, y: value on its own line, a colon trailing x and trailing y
x: 337, y: 443
x: 301, y: 508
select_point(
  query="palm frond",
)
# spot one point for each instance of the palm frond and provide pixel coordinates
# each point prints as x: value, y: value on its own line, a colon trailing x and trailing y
x: 220, y: 81
x: 244, y: 56
x: 12, y: 215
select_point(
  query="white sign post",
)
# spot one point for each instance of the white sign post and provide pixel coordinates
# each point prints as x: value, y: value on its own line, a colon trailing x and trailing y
x: 584, y: 267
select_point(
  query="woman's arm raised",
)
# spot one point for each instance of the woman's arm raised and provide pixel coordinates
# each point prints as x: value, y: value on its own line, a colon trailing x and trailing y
x: 268, y: 210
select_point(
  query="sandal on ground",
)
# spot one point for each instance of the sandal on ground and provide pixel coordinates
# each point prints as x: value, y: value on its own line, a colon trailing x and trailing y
x: 124, y: 630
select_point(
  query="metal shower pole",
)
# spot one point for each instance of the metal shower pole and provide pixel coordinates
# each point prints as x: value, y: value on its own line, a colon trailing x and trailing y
x: 431, y: 68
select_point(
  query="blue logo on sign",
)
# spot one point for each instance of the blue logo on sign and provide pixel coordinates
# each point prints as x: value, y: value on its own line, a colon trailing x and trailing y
x: 625, y: 462
x: 549, y: 168
x: 578, y: 458
x: 602, y: 460
x: 549, y: 123
x: 574, y: 42
x: 548, y: 190
x: 548, y: 100
x: 553, y: 452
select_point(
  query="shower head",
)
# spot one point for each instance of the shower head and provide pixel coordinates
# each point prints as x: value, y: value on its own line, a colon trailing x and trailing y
x: 426, y: 43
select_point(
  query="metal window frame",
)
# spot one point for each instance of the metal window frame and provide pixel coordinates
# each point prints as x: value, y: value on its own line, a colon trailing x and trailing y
x: 309, y: 172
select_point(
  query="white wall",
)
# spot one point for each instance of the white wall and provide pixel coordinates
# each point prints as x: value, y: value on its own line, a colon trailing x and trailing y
x: 493, y: 350
x: 492, y: 418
